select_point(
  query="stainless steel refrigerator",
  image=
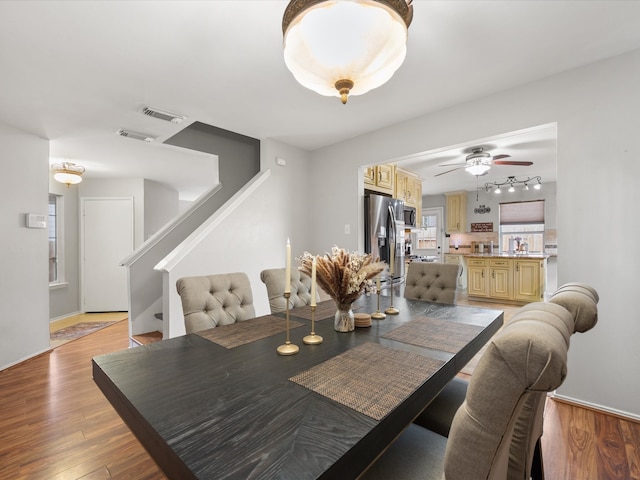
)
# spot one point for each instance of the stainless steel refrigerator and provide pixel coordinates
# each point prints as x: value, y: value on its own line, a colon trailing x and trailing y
x: 384, y: 228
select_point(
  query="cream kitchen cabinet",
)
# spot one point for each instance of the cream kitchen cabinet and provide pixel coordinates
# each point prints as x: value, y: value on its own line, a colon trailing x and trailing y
x: 417, y: 195
x: 380, y: 178
x: 478, y: 277
x: 459, y: 260
x: 408, y: 188
x: 500, y: 278
x: 529, y: 280
x: 516, y: 280
x: 456, y: 212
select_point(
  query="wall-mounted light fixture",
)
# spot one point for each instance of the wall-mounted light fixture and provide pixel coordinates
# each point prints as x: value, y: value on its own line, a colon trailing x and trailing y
x: 68, y: 173
x: 512, y: 182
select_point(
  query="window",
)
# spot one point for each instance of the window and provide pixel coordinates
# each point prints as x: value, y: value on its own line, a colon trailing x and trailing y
x: 427, y: 235
x: 524, y: 223
x: 56, y: 263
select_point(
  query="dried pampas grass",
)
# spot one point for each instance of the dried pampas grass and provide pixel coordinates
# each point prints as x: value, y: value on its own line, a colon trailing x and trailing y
x: 342, y: 274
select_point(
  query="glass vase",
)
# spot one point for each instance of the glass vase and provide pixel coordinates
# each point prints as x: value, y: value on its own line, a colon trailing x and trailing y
x: 343, y: 321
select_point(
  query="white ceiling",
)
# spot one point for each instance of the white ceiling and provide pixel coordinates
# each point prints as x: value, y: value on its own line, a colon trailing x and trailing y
x: 74, y: 72
x: 537, y: 145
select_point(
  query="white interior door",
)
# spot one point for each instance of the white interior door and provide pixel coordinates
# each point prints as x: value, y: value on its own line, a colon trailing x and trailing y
x: 106, y: 239
x: 430, y: 237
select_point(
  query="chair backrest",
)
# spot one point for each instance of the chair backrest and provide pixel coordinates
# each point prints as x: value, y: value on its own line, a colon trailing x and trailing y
x: 273, y: 278
x: 213, y: 300
x: 433, y: 282
x: 493, y: 434
x: 581, y: 300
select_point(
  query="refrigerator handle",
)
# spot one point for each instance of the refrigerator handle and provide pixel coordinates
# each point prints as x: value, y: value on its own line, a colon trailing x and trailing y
x: 393, y: 236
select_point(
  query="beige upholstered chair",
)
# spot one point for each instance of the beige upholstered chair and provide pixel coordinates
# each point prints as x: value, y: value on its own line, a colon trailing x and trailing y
x: 214, y: 300
x: 273, y: 279
x: 580, y: 301
x: 433, y: 282
x: 494, y: 432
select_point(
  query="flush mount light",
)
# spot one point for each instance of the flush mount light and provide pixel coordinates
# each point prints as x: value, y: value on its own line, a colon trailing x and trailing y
x: 342, y: 48
x: 512, y: 182
x: 68, y: 173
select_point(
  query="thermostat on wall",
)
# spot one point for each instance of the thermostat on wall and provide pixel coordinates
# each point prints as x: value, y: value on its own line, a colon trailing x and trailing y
x: 34, y: 220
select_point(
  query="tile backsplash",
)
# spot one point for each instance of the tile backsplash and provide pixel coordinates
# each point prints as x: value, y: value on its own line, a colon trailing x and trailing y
x: 463, y: 241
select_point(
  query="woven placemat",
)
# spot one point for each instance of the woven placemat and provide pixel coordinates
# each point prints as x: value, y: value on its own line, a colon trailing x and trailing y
x: 435, y: 333
x: 241, y: 333
x: 370, y: 378
x: 324, y: 310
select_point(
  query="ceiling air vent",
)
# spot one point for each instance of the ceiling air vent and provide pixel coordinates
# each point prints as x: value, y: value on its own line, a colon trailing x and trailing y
x: 135, y: 135
x: 162, y: 115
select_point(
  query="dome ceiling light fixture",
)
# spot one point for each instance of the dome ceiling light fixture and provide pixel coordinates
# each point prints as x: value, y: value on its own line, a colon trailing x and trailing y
x: 345, y: 47
x: 68, y: 173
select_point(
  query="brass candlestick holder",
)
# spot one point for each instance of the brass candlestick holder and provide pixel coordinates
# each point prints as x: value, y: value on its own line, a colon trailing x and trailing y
x: 378, y: 315
x: 391, y: 310
x: 312, y: 338
x: 288, y: 348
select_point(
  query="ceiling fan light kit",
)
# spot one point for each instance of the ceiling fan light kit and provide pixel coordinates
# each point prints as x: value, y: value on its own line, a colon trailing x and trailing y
x: 478, y: 169
x: 478, y: 162
x: 342, y: 48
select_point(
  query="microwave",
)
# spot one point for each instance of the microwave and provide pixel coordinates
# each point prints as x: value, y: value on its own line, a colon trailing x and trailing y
x: 409, y: 217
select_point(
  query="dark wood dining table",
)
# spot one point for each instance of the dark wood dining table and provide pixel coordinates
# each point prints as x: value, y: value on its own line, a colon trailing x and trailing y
x: 223, y: 404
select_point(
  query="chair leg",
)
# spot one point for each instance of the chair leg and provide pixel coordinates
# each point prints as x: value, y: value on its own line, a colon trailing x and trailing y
x: 537, y: 470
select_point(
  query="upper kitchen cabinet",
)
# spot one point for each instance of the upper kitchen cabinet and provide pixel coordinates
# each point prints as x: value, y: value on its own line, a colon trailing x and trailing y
x: 408, y: 188
x: 380, y: 178
x: 456, y: 212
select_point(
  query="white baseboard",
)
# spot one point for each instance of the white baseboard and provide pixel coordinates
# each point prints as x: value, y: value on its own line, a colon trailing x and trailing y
x: 595, y: 406
x: 33, y: 355
x: 67, y: 315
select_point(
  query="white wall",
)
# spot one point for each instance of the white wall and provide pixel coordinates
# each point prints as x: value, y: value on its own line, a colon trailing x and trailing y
x: 597, y: 110
x: 254, y: 236
x: 24, y: 283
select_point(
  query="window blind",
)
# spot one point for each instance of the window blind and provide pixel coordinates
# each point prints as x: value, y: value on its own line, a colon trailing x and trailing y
x: 519, y: 213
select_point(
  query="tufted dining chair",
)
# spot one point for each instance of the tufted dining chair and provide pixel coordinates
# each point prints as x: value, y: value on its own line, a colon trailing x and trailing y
x: 495, y: 430
x: 580, y: 301
x: 273, y: 278
x: 214, y: 300
x: 433, y: 282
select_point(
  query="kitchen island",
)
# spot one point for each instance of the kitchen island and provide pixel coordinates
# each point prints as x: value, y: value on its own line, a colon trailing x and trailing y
x: 511, y: 278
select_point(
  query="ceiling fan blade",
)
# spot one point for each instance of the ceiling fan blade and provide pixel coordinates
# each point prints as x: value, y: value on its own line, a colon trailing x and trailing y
x: 452, y: 164
x: 501, y: 156
x: 512, y: 162
x: 448, y: 171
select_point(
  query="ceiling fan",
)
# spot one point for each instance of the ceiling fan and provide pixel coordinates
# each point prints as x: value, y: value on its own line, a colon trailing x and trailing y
x: 478, y: 162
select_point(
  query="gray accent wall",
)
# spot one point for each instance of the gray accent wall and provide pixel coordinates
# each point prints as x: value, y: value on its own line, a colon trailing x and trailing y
x: 64, y: 299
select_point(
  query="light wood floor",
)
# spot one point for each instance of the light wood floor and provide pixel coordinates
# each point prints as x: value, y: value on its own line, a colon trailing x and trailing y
x: 80, y: 318
x: 56, y: 424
